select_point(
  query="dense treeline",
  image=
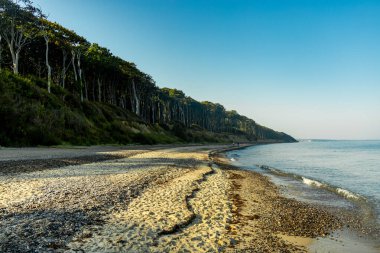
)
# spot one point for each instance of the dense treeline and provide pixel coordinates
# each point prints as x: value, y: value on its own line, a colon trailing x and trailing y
x: 30, y: 45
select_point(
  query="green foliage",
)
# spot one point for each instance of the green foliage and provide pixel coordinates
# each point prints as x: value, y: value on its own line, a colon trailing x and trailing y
x: 31, y: 116
x: 174, y: 93
x: 119, y: 103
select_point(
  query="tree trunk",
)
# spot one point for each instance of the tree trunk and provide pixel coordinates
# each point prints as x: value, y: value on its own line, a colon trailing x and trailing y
x: 64, y: 67
x: 15, y: 49
x: 64, y: 57
x: 73, y: 62
x: 15, y: 64
x: 16, y: 40
x: 47, y: 63
x: 13, y: 54
x: 80, y: 76
x: 159, y: 112
x: 153, y: 112
x: 136, y: 99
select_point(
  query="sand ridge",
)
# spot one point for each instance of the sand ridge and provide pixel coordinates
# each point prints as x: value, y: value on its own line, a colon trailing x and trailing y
x: 188, y: 213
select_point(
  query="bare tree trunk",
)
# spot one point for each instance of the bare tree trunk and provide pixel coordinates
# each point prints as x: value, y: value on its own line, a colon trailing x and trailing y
x: 80, y: 76
x: 13, y: 54
x: 182, y: 115
x: 73, y: 62
x: 136, y: 99
x: 15, y: 64
x: 47, y: 62
x: 64, y: 67
x: 132, y: 103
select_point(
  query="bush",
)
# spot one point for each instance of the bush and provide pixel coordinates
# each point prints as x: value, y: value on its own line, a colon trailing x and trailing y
x: 143, y: 139
x: 180, y: 131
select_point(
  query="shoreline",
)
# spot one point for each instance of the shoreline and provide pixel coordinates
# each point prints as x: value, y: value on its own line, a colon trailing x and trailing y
x: 169, y: 199
x: 263, y: 209
x: 353, y: 234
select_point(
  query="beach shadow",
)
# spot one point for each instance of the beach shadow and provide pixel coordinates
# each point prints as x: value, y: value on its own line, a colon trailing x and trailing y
x: 42, y: 230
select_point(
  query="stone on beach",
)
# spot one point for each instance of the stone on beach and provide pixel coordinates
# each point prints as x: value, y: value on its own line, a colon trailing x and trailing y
x: 163, y: 200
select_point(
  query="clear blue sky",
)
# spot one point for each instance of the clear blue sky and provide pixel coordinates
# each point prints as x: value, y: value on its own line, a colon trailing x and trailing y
x: 310, y: 68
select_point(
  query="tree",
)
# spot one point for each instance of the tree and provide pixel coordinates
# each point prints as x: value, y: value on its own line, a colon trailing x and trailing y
x: 17, y: 26
x: 65, y: 66
x: 47, y: 39
x: 136, y: 98
x: 99, y: 62
x: 78, y: 53
x: 65, y: 40
x: 47, y: 34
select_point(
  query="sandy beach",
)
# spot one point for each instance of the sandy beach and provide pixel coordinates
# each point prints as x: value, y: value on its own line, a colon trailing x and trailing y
x: 144, y: 199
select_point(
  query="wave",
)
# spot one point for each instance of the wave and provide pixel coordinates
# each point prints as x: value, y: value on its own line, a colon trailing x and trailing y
x: 343, y: 192
x: 348, y: 194
x: 311, y: 182
x: 314, y: 183
x: 275, y: 171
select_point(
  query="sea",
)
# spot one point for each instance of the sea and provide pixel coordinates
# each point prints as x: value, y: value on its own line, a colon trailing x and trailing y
x: 333, y: 173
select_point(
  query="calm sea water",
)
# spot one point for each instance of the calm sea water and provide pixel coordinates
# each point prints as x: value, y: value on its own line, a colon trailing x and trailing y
x: 349, y: 169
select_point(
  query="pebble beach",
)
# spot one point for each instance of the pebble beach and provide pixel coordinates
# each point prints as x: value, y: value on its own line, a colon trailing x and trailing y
x: 144, y: 199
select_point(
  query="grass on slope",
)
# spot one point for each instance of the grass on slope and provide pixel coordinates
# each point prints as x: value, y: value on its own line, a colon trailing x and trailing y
x: 30, y: 116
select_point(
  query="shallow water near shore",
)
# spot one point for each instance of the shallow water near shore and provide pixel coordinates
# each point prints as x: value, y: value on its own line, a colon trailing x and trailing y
x: 339, y: 175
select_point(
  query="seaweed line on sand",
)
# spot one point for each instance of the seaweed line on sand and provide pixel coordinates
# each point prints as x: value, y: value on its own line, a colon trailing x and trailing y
x: 193, y: 219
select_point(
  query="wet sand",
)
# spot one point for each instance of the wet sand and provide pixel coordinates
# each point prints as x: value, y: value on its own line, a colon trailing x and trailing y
x: 164, y: 199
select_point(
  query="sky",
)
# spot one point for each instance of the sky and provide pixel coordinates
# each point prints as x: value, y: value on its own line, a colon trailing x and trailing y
x: 310, y: 68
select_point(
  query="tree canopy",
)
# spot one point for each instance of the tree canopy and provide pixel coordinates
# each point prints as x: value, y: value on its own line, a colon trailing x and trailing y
x: 39, y: 47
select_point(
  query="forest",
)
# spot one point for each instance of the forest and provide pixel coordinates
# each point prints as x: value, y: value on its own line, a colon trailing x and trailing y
x: 56, y: 87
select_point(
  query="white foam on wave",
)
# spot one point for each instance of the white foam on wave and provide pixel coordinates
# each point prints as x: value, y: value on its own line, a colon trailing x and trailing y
x: 343, y: 192
x: 347, y: 194
x: 233, y: 160
x: 311, y: 182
